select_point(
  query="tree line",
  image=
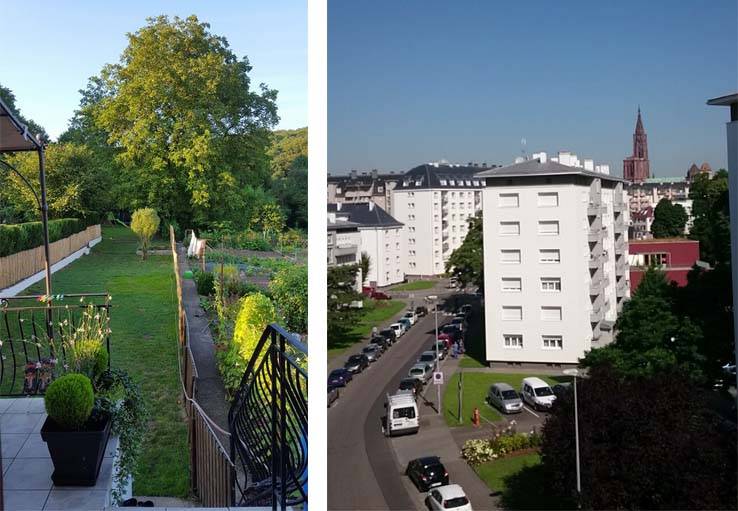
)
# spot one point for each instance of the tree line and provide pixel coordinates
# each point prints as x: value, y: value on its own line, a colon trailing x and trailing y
x: 176, y: 125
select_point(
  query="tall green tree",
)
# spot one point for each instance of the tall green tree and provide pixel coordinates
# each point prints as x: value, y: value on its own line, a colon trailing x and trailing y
x: 341, y: 292
x: 669, y: 220
x: 291, y: 192
x: 466, y: 263
x: 711, y: 216
x: 191, y: 130
x: 365, y: 264
x: 288, y: 150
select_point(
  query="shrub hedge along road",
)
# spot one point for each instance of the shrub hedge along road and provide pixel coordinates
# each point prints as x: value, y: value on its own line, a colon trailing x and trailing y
x: 15, y: 238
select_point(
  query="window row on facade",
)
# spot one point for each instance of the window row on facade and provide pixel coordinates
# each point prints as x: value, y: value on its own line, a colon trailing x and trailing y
x: 548, y: 342
x: 545, y: 256
x: 547, y: 284
x: 547, y: 313
x: 545, y: 228
x: 512, y: 200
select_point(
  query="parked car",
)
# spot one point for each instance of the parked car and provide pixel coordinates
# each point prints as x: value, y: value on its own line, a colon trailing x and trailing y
x: 428, y: 357
x: 561, y: 388
x: 427, y: 473
x: 398, y: 328
x: 371, y: 352
x: 413, y: 384
x: 446, y: 339
x: 420, y: 371
x: 333, y: 394
x: 451, y: 328
x: 411, y: 316
x: 381, y: 342
x: 537, y: 394
x: 378, y: 295
x: 356, y: 363
x: 459, y: 322
x: 442, y: 349
x: 503, y: 397
x: 421, y: 311
x: 402, y: 414
x: 404, y: 321
x: 466, y: 308
x: 451, y: 496
x: 389, y: 334
x: 340, y: 377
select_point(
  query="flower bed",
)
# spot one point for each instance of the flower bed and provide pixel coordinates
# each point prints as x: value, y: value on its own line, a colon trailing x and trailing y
x: 482, y: 450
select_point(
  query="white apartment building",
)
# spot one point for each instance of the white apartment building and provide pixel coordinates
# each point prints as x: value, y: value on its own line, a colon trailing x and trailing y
x: 555, y: 260
x: 435, y: 201
x: 381, y: 237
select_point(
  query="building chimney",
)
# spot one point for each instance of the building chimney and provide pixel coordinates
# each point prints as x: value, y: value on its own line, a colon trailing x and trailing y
x: 588, y: 164
x: 338, y: 206
x: 371, y: 206
x: 332, y: 217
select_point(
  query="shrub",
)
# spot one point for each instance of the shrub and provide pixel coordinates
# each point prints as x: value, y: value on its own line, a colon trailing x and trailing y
x: 84, y: 342
x: 205, y: 282
x: 69, y: 400
x: 289, y: 288
x: 256, y: 312
x: 486, y: 449
x: 145, y: 223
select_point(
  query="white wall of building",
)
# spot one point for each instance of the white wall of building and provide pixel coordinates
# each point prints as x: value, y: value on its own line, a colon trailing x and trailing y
x: 385, y: 247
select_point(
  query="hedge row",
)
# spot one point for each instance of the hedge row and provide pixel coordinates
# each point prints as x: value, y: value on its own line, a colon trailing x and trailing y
x: 17, y: 237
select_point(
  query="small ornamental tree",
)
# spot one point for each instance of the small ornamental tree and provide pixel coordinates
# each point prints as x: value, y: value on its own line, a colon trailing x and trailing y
x: 365, y: 263
x: 145, y: 223
x: 256, y: 312
x: 668, y: 220
x: 289, y: 287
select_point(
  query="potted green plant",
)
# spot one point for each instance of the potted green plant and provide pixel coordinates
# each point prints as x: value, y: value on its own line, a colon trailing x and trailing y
x: 75, y: 436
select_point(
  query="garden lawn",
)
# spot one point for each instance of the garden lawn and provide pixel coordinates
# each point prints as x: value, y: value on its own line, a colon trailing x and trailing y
x: 519, y: 479
x: 144, y: 343
x: 475, y: 390
x: 373, y: 314
x: 416, y: 285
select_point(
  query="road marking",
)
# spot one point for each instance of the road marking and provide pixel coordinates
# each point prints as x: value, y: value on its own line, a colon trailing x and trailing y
x: 531, y: 411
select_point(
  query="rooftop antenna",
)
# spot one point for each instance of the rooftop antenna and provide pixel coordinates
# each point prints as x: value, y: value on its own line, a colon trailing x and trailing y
x: 523, y: 142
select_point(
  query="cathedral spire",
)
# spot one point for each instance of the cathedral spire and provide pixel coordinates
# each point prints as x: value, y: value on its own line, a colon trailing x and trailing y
x: 639, y: 122
x: 636, y: 168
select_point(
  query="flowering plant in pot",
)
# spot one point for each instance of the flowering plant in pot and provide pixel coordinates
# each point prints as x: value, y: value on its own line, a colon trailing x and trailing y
x: 75, y: 433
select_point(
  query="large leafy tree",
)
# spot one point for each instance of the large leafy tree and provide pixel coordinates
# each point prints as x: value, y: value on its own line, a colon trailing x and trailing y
x: 466, y: 263
x: 711, y: 216
x: 33, y: 127
x: 652, y: 338
x: 341, y: 292
x: 191, y: 131
x: 291, y: 193
x: 645, y: 442
x: 669, y: 220
x: 288, y: 150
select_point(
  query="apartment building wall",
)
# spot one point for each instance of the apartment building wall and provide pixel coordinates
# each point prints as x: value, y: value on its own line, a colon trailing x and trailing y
x: 385, y: 247
x: 558, y: 322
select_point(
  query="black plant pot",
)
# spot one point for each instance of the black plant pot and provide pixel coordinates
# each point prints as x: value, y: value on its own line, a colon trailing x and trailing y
x: 76, y: 455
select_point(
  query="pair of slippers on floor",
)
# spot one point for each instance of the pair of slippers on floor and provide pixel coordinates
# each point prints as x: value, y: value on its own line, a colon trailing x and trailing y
x: 136, y: 503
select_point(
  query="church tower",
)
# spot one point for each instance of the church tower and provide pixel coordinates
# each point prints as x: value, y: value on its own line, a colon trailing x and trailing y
x: 636, y: 168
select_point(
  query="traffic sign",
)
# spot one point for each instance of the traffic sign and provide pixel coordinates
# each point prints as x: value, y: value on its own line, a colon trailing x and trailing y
x: 438, y: 378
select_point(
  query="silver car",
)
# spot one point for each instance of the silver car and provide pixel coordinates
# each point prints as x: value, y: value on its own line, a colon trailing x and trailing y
x: 503, y: 397
x: 372, y: 352
x: 420, y: 371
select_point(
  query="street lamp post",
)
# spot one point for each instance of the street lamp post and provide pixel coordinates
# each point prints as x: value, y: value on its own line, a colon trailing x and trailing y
x: 574, y: 373
x: 434, y: 299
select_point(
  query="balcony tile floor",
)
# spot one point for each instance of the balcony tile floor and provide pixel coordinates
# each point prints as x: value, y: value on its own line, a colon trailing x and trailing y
x: 27, y: 466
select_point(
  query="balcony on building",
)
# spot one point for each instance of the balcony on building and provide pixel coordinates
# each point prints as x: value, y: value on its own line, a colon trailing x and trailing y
x: 596, y: 315
x: 595, y: 233
x: 620, y: 245
x: 621, y: 266
x: 595, y: 286
x: 622, y: 288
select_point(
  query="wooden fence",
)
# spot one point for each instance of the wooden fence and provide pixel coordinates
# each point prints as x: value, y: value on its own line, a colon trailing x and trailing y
x: 19, y: 266
x: 212, y: 473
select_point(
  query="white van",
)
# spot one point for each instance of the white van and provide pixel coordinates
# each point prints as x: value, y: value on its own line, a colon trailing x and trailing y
x: 402, y: 415
x: 399, y: 329
x: 536, y: 393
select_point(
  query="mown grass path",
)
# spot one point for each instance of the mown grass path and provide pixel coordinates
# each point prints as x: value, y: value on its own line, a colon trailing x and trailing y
x: 144, y: 343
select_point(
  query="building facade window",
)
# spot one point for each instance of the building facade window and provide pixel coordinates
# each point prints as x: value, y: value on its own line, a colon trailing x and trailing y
x: 509, y: 228
x: 551, y: 284
x: 513, y: 341
x: 548, y: 199
x: 508, y: 200
x: 512, y: 313
x: 512, y: 284
x: 553, y: 342
x: 549, y: 256
x: 550, y: 313
x: 548, y: 227
x: 510, y: 256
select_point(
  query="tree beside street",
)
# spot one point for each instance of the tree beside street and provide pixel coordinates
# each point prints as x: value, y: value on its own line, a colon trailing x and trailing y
x: 466, y: 263
x: 669, y: 220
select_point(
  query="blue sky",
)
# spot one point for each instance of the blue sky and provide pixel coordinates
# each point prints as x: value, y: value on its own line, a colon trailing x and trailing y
x: 49, y: 49
x: 417, y: 81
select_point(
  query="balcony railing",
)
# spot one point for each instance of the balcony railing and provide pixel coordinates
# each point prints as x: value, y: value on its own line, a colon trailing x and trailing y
x: 30, y: 354
x: 268, y: 423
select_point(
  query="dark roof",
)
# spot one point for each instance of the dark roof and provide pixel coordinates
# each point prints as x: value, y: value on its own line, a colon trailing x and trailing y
x: 343, y: 225
x: 534, y: 167
x: 430, y: 176
x: 361, y: 214
x: 730, y: 99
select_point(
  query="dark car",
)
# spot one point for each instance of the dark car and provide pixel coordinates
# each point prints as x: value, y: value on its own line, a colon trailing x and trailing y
x: 427, y: 473
x: 378, y: 295
x: 339, y: 377
x: 380, y: 341
x: 356, y: 363
x: 333, y: 394
x: 389, y: 334
x: 561, y: 388
x: 421, y: 311
x: 411, y: 384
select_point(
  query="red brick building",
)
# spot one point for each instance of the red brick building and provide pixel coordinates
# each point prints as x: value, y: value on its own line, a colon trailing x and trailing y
x: 675, y: 256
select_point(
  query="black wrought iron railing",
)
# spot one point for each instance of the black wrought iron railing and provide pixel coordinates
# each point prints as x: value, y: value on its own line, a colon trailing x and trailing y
x: 268, y: 424
x: 33, y: 335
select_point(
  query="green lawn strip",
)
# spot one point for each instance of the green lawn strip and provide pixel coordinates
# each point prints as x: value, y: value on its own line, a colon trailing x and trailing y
x: 475, y: 389
x: 468, y: 362
x: 373, y: 314
x: 416, y: 285
x: 520, y: 479
x: 143, y: 342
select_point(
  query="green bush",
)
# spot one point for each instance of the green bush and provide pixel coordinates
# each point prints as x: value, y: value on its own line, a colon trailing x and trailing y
x: 289, y: 288
x: 483, y: 450
x: 205, y: 282
x: 18, y: 237
x: 69, y: 400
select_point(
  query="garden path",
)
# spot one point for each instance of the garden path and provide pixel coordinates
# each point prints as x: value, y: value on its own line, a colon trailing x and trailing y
x: 210, y: 393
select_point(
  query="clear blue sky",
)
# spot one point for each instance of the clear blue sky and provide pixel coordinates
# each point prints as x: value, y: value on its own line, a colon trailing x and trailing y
x: 48, y: 49
x: 417, y: 81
